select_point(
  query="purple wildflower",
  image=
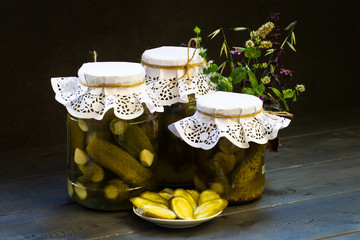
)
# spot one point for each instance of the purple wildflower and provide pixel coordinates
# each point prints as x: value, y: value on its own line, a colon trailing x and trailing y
x: 286, y: 72
x: 274, y: 17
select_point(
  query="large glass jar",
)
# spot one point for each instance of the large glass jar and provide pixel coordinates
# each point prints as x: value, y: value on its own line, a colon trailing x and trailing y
x: 112, y: 133
x: 176, y: 76
x: 176, y: 166
x: 111, y: 160
x: 236, y: 174
x: 229, y: 132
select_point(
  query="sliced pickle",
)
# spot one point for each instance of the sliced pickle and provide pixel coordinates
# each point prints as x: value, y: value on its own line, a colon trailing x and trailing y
x: 207, y: 195
x: 169, y: 190
x: 210, y: 208
x: 139, y: 202
x: 182, y: 193
x: 156, y: 212
x: 156, y: 197
x: 166, y: 195
x: 182, y: 208
x: 195, y: 194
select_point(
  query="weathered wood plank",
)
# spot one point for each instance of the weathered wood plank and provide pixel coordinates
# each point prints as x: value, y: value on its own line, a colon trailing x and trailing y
x: 314, y: 148
x: 284, y: 187
x: 33, y: 193
x: 25, y: 163
x: 309, y: 218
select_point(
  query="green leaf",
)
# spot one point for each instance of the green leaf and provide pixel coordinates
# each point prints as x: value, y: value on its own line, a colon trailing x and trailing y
x: 197, y: 30
x: 291, y: 46
x: 247, y: 91
x: 252, y: 78
x: 238, y: 75
x: 239, y: 29
x: 253, y: 52
x: 261, y: 88
x: 293, y: 41
x: 277, y: 92
x: 269, y: 51
x: 214, y: 33
x: 240, y: 49
x: 285, y: 104
x: 272, y: 68
x: 290, y: 25
x: 222, y: 67
x: 288, y: 93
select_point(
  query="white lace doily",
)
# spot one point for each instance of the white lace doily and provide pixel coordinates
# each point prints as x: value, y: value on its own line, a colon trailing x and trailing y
x: 88, y: 96
x: 160, y: 80
x: 217, y: 117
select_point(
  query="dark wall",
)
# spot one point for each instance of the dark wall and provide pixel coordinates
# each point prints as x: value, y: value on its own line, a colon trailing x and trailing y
x: 41, y: 39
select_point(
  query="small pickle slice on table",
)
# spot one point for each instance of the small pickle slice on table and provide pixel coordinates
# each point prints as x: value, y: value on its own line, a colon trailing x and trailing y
x: 182, y: 208
x: 156, y: 212
x: 210, y: 208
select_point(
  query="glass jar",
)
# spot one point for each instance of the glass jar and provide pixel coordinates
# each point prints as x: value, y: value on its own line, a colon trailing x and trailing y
x: 229, y: 132
x: 176, y: 165
x: 112, y: 133
x: 175, y: 74
x: 236, y: 174
x: 102, y: 153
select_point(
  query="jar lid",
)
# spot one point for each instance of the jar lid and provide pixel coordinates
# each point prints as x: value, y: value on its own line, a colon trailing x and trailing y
x: 238, y: 117
x: 111, y: 73
x: 170, y: 56
x: 105, y: 85
x: 173, y: 73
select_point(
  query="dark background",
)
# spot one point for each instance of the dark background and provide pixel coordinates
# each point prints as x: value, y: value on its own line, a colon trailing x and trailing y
x: 41, y: 39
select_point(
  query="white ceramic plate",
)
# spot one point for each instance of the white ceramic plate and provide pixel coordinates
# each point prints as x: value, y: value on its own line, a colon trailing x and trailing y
x: 175, y: 223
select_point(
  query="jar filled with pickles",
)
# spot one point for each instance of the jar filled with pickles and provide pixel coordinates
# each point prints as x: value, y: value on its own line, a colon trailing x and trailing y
x: 112, y: 133
x: 229, y: 132
x: 176, y: 76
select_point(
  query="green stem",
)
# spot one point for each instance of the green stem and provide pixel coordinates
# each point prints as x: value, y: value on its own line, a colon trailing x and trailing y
x: 228, y: 50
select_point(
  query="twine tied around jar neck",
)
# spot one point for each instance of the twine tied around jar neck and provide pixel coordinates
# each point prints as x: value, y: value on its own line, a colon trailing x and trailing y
x: 114, y: 85
x: 218, y: 115
x: 186, y: 66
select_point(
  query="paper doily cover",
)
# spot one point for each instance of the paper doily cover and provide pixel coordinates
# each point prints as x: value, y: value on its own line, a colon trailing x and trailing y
x: 204, y: 131
x: 84, y: 100
x: 158, y: 79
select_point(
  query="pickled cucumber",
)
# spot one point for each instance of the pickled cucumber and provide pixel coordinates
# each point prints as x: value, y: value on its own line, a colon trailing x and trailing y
x: 146, y: 157
x: 139, y: 202
x: 220, y: 185
x: 207, y: 195
x: 182, y: 208
x: 182, y: 193
x: 84, y: 189
x: 166, y: 195
x: 222, y: 163
x: 77, y: 136
x: 247, y: 169
x: 153, y: 196
x: 92, y: 171
x: 226, y: 146
x: 195, y: 194
x: 116, y: 189
x: 210, y: 208
x: 80, y: 156
x: 118, y: 161
x: 118, y: 126
x: 156, y: 212
x: 134, y: 140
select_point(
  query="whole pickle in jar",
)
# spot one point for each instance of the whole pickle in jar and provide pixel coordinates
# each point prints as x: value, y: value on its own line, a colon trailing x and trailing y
x: 222, y: 163
x: 119, y: 162
x: 226, y: 146
x: 247, y: 169
x: 134, y: 140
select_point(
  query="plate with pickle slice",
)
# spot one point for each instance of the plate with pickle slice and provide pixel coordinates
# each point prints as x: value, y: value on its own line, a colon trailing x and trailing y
x: 175, y: 223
